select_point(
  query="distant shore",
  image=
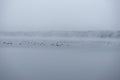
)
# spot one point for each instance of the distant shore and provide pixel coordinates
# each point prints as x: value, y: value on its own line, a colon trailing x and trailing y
x: 67, y: 34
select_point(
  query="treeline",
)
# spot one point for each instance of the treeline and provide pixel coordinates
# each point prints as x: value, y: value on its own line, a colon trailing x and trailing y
x: 96, y: 34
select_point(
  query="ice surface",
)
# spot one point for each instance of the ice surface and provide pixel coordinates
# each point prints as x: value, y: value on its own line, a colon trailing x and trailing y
x: 59, y: 58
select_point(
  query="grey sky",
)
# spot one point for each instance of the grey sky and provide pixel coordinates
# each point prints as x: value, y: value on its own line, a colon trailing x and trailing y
x: 59, y: 14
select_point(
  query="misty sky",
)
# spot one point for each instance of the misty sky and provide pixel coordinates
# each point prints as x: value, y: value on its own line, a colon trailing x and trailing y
x: 59, y: 14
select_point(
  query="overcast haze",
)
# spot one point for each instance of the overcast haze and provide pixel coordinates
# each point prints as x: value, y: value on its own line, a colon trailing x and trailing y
x: 59, y: 15
x: 68, y: 54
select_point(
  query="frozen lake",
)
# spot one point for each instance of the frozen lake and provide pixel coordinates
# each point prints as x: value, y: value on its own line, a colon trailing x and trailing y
x: 59, y: 64
x: 61, y: 57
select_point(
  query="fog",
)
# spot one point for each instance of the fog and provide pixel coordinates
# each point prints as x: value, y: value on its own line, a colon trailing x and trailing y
x: 22, y: 15
x: 59, y: 40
